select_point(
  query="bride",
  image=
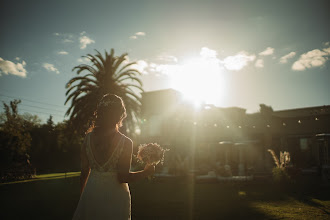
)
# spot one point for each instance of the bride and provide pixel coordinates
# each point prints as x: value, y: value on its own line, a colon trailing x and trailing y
x: 105, y: 165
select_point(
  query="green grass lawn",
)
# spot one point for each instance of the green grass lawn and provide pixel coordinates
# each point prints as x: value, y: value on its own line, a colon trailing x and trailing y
x: 55, y: 196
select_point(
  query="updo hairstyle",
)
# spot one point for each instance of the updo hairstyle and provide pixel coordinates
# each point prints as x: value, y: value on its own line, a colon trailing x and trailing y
x: 110, y: 112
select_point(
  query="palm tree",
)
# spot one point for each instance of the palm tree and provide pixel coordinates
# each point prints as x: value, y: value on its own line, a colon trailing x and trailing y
x: 108, y: 74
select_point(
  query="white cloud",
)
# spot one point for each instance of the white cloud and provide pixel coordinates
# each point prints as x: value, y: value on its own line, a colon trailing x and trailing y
x: 83, y: 60
x: 8, y: 67
x: 285, y: 58
x: 167, y: 58
x: 66, y: 38
x: 62, y: 52
x: 238, y: 61
x: 17, y: 58
x: 267, y: 52
x: 298, y: 66
x: 313, y: 58
x: 259, y: 63
x: 141, y: 66
x: 137, y: 34
x: 50, y: 67
x: 327, y: 50
x: 152, y: 67
x: 208, y: 60
x: 208, y: 53
x: 140, y: 34
x: 84, y: 41
x: 166, y: 69
x: 67, y: 41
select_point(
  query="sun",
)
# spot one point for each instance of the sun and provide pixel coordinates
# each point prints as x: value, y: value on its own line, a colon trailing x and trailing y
x: 200, y: 80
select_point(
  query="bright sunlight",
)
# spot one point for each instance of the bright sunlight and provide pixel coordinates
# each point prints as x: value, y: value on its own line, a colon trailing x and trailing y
x: 200, y: 79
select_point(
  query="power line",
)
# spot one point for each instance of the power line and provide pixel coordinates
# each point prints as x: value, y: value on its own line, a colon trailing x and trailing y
x: 43, y: 108
x: 42, y: 113
x: 38, y: 107
x: 62, y: 117
x: 34, y: 111
x: 29, y: 100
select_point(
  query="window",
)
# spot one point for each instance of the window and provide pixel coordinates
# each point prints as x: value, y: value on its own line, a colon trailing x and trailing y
x: 303, y: 144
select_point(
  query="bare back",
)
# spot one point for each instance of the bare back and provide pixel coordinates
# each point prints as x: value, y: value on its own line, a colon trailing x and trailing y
x: 103, y: 152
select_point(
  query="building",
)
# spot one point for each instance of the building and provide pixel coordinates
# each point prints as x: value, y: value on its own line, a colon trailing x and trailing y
x: 230, y: 136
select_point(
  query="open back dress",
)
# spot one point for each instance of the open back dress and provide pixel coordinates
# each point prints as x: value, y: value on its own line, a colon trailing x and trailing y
x: 104, y: 197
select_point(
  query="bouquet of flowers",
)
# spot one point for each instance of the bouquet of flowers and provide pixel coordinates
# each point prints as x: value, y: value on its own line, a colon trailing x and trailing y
x: 151, y: 153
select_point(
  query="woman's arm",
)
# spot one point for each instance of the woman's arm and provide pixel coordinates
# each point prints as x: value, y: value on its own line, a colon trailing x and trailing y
x: 85, y: 168
x: 124, y: 165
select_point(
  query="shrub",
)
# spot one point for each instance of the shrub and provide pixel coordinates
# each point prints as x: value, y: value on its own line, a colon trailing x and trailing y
x: 280, y: 175
x: 280, y: 172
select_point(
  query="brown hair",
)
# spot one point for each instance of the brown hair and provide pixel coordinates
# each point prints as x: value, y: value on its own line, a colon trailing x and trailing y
x: 109, y: 114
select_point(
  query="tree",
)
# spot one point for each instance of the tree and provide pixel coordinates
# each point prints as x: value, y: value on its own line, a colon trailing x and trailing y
x: 108, y: 74
x: 15, y: 142
x: 55, y: 147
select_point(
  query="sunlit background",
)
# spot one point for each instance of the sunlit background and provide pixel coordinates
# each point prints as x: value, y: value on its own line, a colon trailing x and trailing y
x: 199, y: 79
x: 226, y: 53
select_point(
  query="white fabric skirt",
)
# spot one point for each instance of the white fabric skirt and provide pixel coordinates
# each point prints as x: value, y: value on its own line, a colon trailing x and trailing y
x: 104, y: 197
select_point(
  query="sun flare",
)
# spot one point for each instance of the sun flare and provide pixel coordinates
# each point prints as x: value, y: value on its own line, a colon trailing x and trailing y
x: 200, y: 80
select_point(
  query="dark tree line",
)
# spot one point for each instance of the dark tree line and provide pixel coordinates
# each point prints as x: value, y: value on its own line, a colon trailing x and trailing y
x: 29, y: 146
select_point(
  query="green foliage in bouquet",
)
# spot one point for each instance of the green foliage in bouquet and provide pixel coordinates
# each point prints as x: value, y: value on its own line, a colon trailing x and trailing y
x: 136, y: 164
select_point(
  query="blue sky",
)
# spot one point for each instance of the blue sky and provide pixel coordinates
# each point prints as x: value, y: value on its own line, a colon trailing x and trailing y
x: 229, y: 53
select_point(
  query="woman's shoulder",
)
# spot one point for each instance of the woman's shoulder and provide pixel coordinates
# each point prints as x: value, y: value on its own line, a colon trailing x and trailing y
x: 126, y: 140
x: 127, y: 143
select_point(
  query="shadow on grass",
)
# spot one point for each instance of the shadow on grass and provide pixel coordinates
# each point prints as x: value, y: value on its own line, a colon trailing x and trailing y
x: 56, y: 197
x: 51, y: 197
x: 313, y: 193
x: 193, y: 201
x: 317, y: 204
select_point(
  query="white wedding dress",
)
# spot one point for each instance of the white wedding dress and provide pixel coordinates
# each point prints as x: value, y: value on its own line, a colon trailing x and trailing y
x: 104, y: 197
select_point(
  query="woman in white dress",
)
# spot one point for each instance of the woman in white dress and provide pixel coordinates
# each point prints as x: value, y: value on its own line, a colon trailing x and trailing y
x: 105, y: 165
